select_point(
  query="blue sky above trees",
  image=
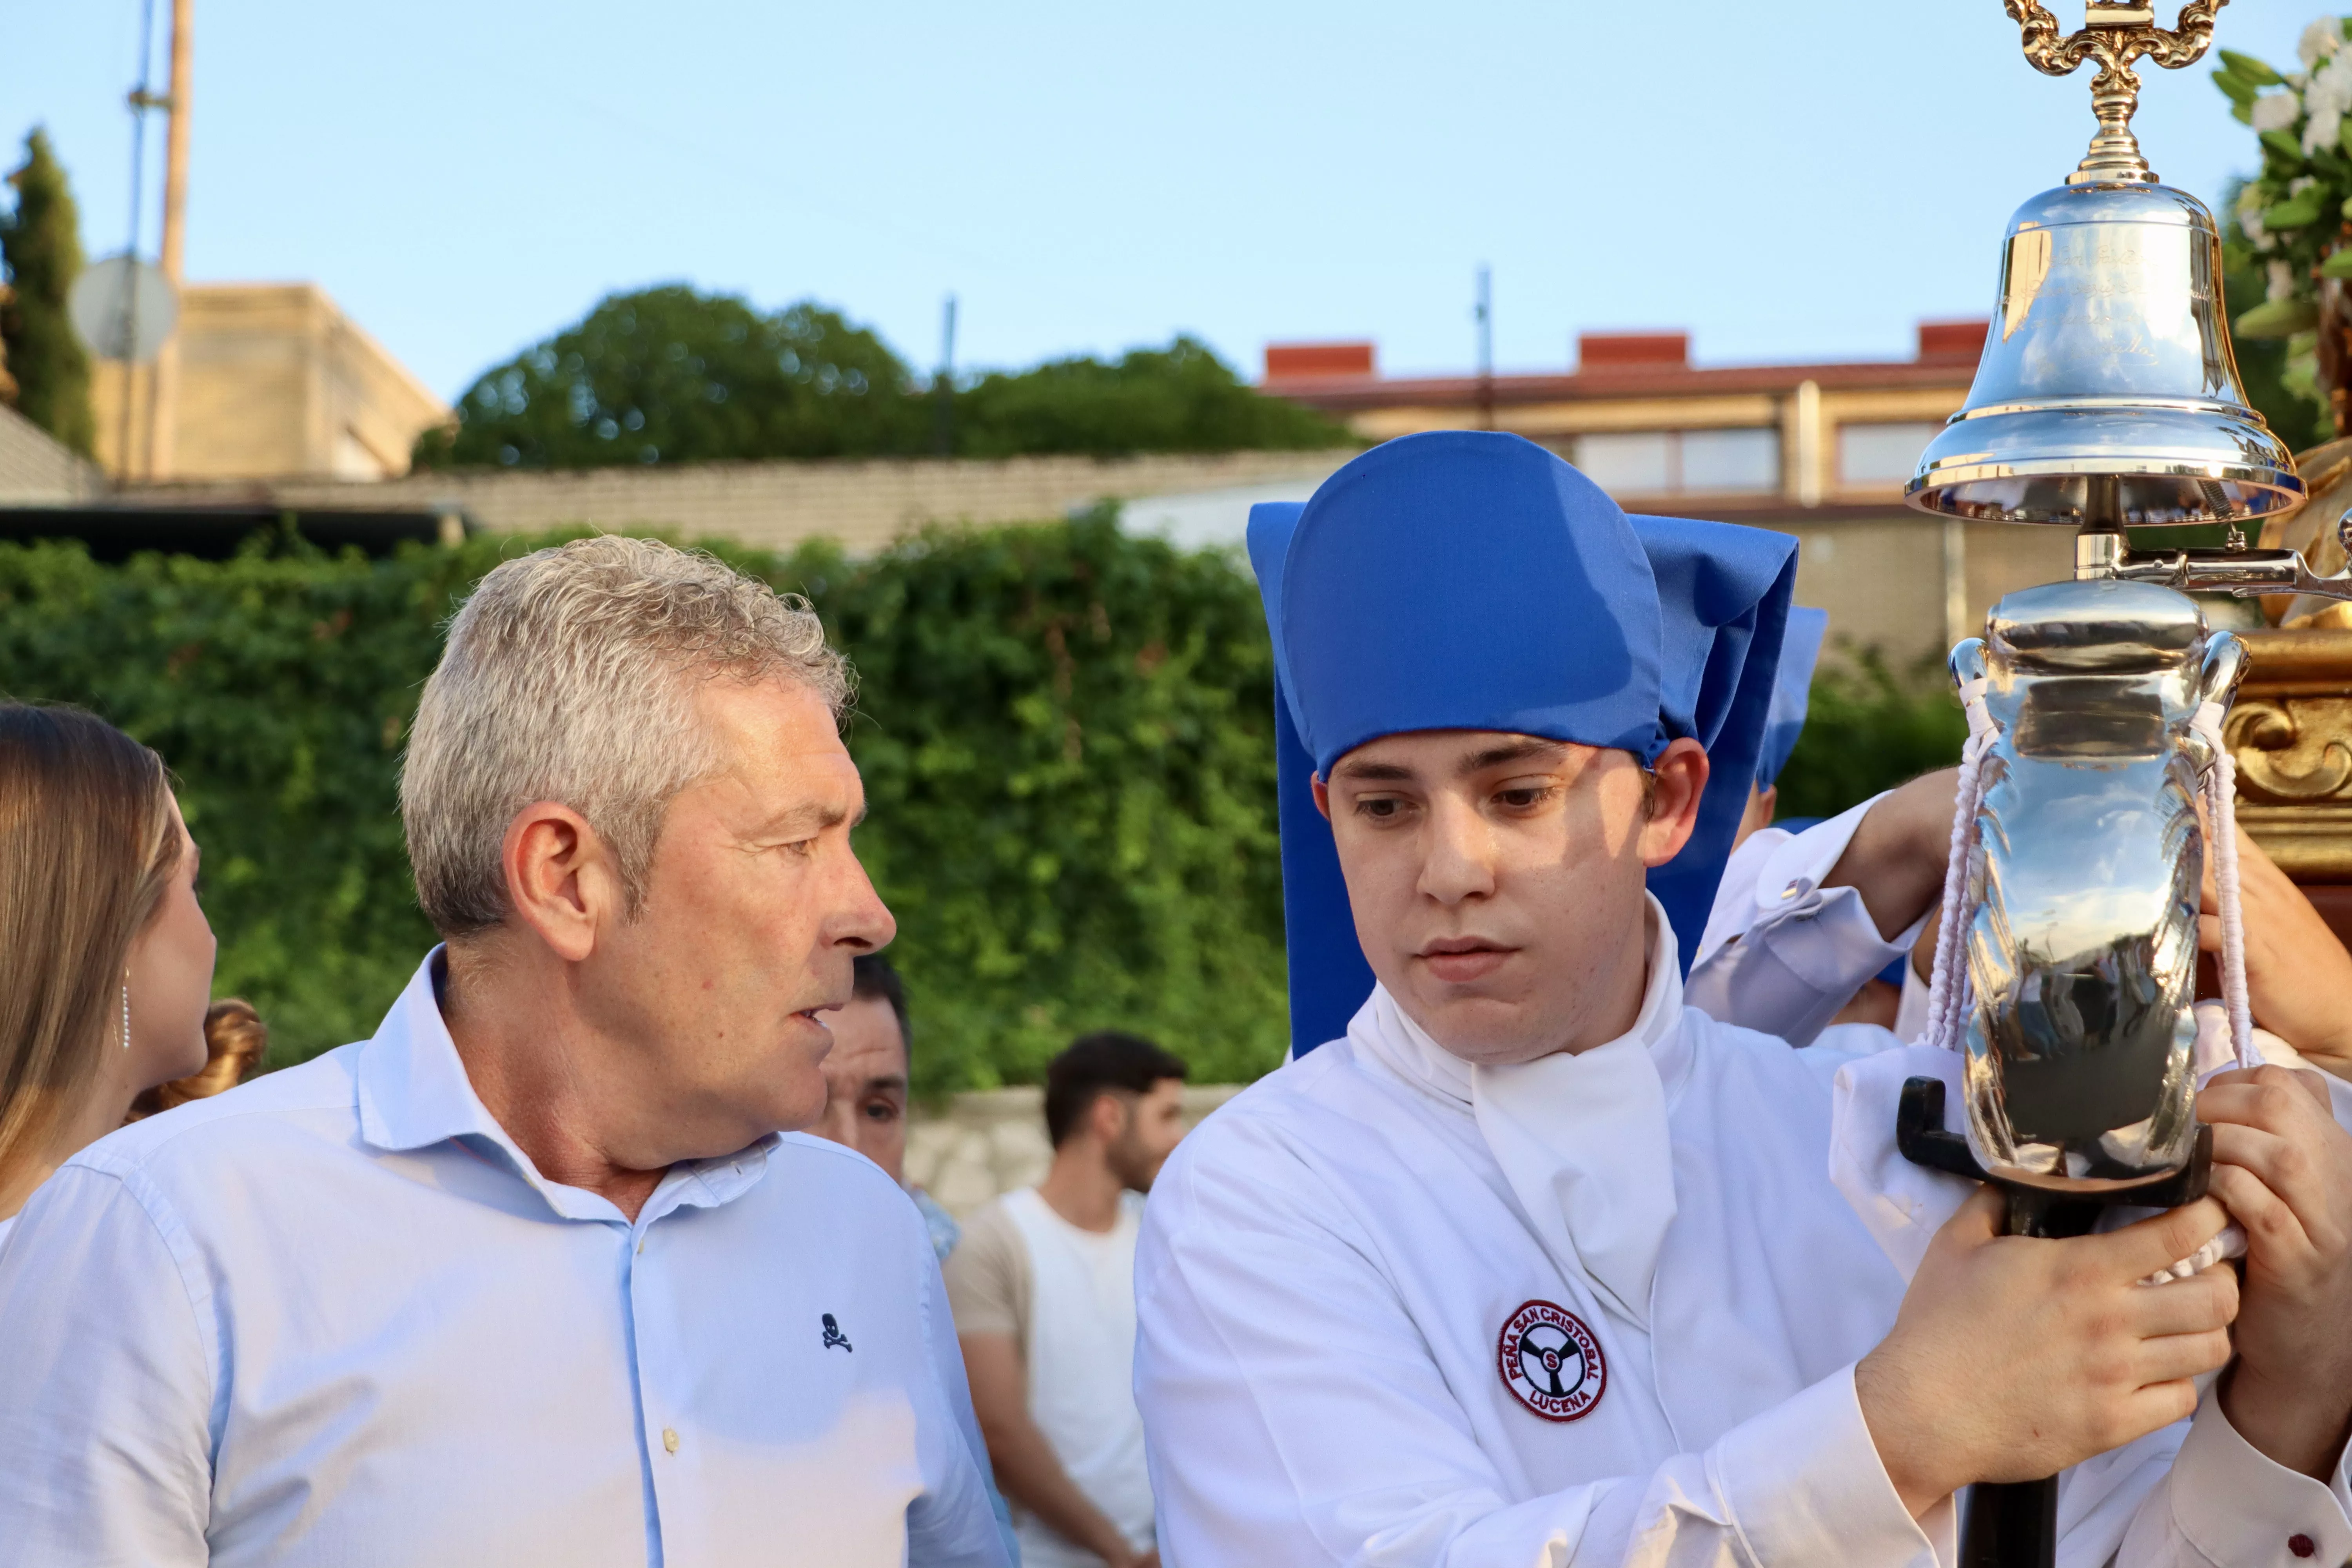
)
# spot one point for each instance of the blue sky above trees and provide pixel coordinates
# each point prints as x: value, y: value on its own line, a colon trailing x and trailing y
x: 1790, y: 181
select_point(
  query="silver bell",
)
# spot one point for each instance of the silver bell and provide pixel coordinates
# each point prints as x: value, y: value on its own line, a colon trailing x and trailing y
x: 2107, y: 394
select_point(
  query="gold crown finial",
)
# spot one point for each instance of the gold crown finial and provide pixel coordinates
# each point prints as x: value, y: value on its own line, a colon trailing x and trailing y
x: 2114, y: 35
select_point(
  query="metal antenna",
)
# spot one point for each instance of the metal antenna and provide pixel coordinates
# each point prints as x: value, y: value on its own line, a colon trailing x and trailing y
x: 1484, y: 313
x: 943, y: 387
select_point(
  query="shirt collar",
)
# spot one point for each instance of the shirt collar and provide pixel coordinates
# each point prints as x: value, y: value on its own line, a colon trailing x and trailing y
x: 413, y: 1093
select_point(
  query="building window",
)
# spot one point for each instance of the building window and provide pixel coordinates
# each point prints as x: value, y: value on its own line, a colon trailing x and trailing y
x: 1637, y: 462
x: 1876, y: 455
x: 1675, y: 462
x: 1742, y: 460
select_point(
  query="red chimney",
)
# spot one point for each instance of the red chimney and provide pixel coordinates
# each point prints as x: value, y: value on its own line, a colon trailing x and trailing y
x: 1951, y: 342
x: 1630, y: 351
x: 1293, y: 362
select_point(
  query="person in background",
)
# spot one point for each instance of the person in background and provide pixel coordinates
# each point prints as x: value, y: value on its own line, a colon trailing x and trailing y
x: 1812, y: 921
x: 1044, y: 1294
x: 865, y: 1078
x: 236, y: 1039
x: 537, y: 1273
x: 106, y: 959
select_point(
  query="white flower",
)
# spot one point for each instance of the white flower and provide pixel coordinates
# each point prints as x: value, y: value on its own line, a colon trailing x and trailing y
x: 2319, y: 40
x: 2256, y: 235
x: 2326, y: 101
x: 2276, y: 110
x: 2281, y: 280
x: 2320, y: 130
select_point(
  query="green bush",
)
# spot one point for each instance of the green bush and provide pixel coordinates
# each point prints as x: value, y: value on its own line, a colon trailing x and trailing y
x: 1065, y: 734
x: 1869, y: 728
x: 1066, y: 740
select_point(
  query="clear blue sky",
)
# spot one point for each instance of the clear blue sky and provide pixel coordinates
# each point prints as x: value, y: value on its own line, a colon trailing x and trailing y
x: 1787, y: 182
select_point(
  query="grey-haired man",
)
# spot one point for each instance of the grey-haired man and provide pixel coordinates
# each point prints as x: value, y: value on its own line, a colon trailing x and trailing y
x: 533, y: 1275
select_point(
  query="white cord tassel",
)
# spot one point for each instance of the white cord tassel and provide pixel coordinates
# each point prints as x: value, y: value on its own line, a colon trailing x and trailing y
x: 2221, y: 815
x: 1947, y: 986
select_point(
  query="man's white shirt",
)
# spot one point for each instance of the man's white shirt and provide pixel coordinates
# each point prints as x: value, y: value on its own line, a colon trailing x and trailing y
x: 1396, y: 1310
x: 336, y: 1317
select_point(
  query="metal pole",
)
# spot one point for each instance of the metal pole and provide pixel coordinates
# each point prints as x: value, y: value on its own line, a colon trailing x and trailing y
x: 140, y: 101
x: 1956, y: 580
x: 163, y: 402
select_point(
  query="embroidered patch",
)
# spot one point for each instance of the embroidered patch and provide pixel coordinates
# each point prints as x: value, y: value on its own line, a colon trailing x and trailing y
x: 1551, y: 1363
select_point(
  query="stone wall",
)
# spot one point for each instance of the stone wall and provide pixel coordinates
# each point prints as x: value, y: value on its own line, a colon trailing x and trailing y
x: 1879, y: 571
x: 864, y: 505
x: 36, y: 470
x: 978, y: 1145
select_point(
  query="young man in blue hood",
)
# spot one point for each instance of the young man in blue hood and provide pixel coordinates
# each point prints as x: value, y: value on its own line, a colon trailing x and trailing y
x: 1529, y: 1263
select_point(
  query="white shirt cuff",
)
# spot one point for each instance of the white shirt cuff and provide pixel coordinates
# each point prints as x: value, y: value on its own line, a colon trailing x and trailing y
x: 2234, y: 1505
x: 1805, y: 1486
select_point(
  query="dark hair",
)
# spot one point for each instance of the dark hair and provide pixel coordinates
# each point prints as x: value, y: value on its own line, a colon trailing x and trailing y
x: 871, y: 975
x: 1099, y: 1064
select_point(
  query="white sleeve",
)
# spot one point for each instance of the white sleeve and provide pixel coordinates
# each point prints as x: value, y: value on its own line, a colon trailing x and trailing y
x: 1293, y: 1414
x: 1781, y: 953
x: 2223, y: 1504
x: 107, y: 1380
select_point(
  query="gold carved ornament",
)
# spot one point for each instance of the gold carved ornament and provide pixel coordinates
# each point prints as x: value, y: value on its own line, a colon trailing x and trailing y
x: 2115, y: 35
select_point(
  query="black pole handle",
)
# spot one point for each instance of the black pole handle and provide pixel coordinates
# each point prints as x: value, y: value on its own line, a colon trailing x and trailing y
x: 2014, y: 1524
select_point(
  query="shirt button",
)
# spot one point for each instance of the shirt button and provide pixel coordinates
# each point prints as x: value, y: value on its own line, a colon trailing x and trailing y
x: 2301, y: 1545
x: 669, y: 1442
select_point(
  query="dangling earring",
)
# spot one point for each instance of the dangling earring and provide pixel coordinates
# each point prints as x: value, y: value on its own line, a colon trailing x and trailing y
x: 126, y: 1009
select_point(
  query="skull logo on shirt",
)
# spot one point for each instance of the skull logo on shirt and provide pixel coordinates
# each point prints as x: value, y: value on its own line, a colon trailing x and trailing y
x: 1551, y: 1362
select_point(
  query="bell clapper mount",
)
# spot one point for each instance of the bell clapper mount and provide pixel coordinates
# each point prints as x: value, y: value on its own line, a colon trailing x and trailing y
x: 2115, y: 35
x: 2235, y: 568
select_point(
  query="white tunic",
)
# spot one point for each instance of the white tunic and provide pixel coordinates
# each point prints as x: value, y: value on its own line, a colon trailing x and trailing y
x: 1397, y: 1311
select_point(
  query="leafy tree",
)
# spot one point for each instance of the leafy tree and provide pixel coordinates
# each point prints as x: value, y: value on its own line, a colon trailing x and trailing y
x: 40, y: 252
x: 670, y: 375
x: 2275, y: 373
x: 1182, y: 398
x: 2289, y: 268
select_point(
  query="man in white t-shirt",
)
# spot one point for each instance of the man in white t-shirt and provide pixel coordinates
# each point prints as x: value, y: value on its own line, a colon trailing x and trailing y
x: 1042, y: 1289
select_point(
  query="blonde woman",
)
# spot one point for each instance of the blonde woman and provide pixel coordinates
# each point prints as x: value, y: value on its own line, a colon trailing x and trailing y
x: 106, y: 961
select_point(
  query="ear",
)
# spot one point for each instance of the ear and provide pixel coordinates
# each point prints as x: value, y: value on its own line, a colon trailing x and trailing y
x: 1681, y: 770
x: 561, y: 882
x: 1108, y: 1116
x: 1768, y: 803
x: 1322, y: 796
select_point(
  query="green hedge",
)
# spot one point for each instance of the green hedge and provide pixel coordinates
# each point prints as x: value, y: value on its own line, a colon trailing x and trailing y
x: 1868, y: 727
x: 1064, y: 733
